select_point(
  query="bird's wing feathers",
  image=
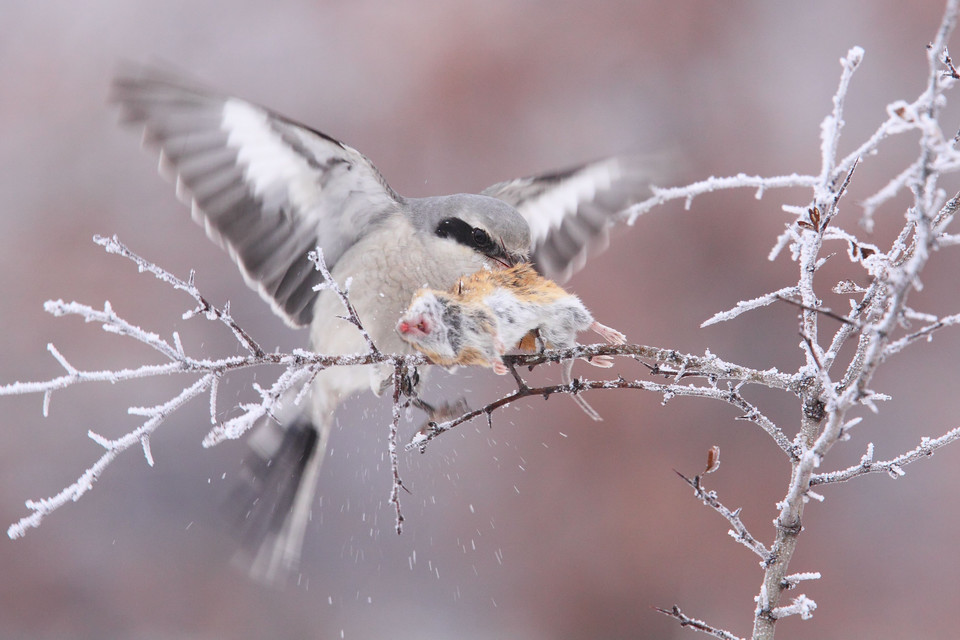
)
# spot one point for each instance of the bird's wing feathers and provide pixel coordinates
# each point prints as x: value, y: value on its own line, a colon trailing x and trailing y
x: 265, y: 188
x: 570, y: 212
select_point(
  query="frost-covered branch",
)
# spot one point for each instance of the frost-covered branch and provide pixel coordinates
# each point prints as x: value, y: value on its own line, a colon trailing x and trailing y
x: 687, y: 193
x: 316, y: 257
x: 749, y: 305
x: 400, y: 375
x: 801, y: 606
x: 43, y: 507
x: 299, y: 367
x: 892, y: 467
x: 877, y: 316
x: 297, y: 375
x: 925, y: 333
x: 832, y: 125
x: 113, y: 245
x: 739, y: 531
x: 672, y: 363
x: 698, y: 625
x: 730, y: 395
x: 299, y: 370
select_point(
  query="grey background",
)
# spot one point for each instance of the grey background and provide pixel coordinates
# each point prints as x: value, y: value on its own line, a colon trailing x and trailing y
x: 548, y: 526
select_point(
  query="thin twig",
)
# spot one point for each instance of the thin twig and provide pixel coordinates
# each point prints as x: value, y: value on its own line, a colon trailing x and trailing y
x: 686, y: 621
x: 689, y: 192
x: 43, y: 507
x: 749, y: 305
x: 926, y: 332
x: 204, y: 307
x: 399, y: 371
x: 316, y: 257
x: 740, y: 533
x: 707, y: 366
x: 892, y: 467
x: 822, y: 310
x: 433, y: 429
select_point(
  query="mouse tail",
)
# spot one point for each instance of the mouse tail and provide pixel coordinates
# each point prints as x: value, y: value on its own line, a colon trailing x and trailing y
x: 583, y: 404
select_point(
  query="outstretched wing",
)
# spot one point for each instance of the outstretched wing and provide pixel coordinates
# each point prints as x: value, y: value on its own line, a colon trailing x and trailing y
x: 266, y: 189
x: 570, y: 212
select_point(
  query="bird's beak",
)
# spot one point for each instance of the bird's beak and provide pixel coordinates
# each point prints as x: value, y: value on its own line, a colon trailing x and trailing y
x: 506, y: 260
x: 515, y: 259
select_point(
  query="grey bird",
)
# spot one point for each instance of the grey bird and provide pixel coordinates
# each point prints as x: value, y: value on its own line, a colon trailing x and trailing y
x: 269, y: 190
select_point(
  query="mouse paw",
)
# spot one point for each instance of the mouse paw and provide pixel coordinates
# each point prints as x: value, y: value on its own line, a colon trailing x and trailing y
x: 609, y: 334
x: 604, y: 362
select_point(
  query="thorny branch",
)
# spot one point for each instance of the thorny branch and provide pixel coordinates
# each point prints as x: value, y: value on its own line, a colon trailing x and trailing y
x: 686, y: 621
x: 43, y: 507
x: 113, y: 245
x: 299, y: 367
x: 730, y: 395
x: 893, y: 467
x: 400, y: 373
x: 316, y: 257
x: 876, y: 317
x: 739, y: 531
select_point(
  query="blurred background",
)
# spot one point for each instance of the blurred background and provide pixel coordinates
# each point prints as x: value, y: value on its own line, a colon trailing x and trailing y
x: 548, y: 525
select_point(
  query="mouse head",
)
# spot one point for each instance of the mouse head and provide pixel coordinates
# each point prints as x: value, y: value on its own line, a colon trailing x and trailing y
x: 425, y: 325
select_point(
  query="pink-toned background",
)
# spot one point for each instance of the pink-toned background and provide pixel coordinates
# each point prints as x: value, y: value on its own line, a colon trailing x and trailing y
x: 548, y: 526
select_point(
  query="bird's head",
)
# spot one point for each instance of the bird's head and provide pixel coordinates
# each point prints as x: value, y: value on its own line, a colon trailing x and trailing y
x: 489, y: 226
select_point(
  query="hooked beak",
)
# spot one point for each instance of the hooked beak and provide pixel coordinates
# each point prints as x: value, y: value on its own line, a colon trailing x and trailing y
x: 505, y: 260
x: 501, y: 258
x: 515, y: 259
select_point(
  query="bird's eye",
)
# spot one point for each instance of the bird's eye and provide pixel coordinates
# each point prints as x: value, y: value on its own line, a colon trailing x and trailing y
x: 473, y: 237
x: 481, y: 238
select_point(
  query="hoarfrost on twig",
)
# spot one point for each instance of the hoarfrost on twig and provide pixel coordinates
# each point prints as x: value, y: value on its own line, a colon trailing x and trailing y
x: 699, y: 625
x: 801, y: 606
x: 749, y: 305
x: 316, y: 257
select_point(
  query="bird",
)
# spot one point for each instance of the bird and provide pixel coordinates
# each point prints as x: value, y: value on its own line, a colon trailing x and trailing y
x: 491, y: 311
x: 269, y: 190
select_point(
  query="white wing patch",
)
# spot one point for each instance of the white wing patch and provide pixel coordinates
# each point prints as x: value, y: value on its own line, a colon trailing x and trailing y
x: 570, y: 212
x: 272, y: 169
x: 548, y: 211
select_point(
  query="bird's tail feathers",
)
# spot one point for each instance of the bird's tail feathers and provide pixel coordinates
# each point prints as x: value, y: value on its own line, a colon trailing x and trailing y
x: 270, y: 509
